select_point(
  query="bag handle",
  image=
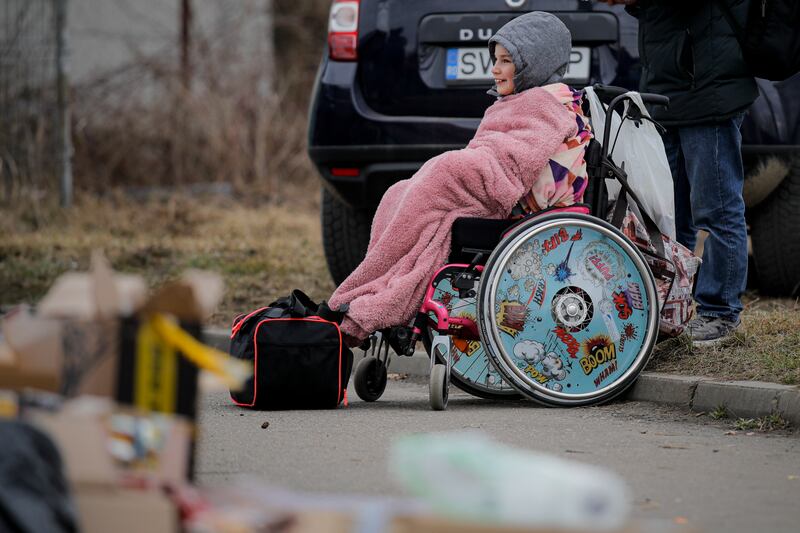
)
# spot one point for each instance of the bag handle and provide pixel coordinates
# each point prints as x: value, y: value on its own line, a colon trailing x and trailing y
x: 332, y: 315
x: 298, y: 305
x: 621, y: 207
x: 302, y: 305
x: 622, y: 202
x: 670, y: 275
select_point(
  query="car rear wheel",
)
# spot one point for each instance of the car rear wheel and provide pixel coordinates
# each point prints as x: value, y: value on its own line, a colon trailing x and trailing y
x: 345, y: 236
x: 774, y: 230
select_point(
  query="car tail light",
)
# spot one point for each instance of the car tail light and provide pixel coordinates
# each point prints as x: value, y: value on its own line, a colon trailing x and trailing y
x: 345, y: 172
x: 343, y: 30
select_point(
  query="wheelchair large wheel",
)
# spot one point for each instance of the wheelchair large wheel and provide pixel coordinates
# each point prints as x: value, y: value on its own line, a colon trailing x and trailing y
x: 471, y: 370
x: 568, y: 310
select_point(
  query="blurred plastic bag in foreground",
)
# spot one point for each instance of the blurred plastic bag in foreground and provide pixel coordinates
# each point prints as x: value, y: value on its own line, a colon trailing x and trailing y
x: 470, y: 477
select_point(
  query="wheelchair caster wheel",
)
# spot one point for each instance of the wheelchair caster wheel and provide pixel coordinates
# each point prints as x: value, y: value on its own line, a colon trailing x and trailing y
x: 370, y: 379
x: 439, y: 387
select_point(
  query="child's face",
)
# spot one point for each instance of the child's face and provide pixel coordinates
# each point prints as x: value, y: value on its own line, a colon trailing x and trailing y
x: 503, y: 70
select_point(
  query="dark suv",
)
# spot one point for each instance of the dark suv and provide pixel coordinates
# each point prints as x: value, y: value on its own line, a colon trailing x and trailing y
x: 404, y: 80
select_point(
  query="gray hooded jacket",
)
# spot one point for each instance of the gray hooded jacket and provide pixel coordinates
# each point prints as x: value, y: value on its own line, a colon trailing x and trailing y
x: 539, y: 44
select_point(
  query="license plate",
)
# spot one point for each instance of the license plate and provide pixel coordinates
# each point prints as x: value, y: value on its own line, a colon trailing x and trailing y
x: 475, y: 64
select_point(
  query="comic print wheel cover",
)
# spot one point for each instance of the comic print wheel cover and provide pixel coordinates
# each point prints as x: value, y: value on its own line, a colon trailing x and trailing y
x: 568, y: 312
x: 471, y: 370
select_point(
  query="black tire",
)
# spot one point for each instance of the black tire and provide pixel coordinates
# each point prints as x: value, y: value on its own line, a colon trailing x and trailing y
x: 370, y: 379
x: 345, y: 236
x: 774, y: 230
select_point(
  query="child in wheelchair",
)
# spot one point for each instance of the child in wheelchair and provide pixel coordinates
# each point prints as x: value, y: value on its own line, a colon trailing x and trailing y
x: 527, y: 155
x: 489, y: 257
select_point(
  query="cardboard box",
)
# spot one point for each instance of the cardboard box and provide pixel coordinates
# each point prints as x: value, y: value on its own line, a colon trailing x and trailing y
x: 82, y: 442
x: 103, y: 445
x: 31, y: 352
x: 71, y: 345
x: 125, y: 511
x: 90, y: 336
x: 98, y: 293
x: 68, y: 356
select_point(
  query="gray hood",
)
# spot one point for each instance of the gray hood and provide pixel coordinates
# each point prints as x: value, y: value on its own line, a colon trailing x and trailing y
x: 539, y: 44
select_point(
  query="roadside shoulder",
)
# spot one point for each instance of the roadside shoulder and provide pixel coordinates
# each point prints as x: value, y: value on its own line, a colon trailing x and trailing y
x: 746, y: 399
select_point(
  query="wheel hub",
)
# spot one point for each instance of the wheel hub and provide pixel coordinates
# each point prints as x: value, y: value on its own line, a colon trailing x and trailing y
x: 572, y: 308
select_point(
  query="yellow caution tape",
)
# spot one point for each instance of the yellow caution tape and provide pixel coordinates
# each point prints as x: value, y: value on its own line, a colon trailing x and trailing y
x: 156, y: 371
x: 9, y: 404
x: 232, y: 371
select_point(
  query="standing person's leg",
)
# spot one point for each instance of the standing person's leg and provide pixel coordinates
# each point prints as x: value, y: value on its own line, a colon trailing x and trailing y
x: 715, y: 174
x: 685, y: 230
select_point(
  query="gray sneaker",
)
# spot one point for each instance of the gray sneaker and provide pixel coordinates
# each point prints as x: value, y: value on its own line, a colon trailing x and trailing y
x: 710, y: 330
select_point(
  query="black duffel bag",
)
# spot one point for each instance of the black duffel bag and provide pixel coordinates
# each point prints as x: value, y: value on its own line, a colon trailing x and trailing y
x: 299, y: 358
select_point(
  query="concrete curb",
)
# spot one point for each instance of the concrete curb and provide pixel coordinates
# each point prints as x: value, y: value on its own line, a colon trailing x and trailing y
x: 747, y: 399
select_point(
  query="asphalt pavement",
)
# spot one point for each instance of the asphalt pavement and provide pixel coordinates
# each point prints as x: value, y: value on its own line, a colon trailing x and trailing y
x: 680, y: 465
x: 747, y: 399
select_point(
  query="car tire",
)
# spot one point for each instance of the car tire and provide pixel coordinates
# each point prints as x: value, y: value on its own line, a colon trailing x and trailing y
x: 774, y: 230
x: 345, y: 236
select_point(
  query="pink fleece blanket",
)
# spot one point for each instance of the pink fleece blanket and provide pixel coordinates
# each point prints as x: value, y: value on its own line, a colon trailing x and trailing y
x: 410, y: 236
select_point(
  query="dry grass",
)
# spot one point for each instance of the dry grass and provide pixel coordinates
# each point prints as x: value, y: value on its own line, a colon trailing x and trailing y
x: 766, y: 348
x: 764, y: 424
x: 262, y: 252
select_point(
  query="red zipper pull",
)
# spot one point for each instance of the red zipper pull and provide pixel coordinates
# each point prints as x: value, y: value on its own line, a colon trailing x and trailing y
x: 345, y: 397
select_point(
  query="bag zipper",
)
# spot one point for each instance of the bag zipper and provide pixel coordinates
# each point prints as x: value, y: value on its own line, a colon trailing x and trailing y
x: 307, y: 319
x: 238, y: 325
x: 236, y: 319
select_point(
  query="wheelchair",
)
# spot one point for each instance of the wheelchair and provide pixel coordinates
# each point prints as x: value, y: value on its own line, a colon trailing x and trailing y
x: 558, y: 307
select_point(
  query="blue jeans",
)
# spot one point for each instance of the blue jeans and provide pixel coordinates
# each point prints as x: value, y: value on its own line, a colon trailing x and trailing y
x: 706, y: 164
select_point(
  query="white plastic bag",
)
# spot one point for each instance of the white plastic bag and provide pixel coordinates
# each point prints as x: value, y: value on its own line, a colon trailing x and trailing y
x: 640, y: 149
x: 468, y: 476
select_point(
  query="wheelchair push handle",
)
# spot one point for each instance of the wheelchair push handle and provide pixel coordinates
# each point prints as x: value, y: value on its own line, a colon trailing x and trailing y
x: 607, y: 93
x: 618, y: 98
